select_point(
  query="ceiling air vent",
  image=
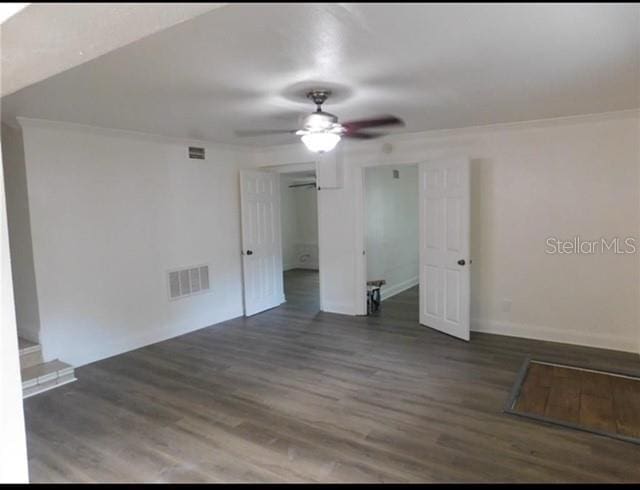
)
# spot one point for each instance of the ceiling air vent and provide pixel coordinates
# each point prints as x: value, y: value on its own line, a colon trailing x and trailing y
x: 189, y: 281
x: 196, y: 152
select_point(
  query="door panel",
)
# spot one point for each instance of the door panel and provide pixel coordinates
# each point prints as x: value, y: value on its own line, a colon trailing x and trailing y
x: 444, y: 241
x: 261, y: 241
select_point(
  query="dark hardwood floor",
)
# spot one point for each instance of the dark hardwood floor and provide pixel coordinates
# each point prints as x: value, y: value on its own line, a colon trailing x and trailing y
x: 299, y: 396
x: 302, y: 290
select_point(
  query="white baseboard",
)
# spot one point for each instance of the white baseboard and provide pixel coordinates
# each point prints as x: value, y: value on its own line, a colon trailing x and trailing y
x: 121, y: 345
x: 388, y: 291
x: 551, y: 334
x: 535, y: 332
x: 340, y: 308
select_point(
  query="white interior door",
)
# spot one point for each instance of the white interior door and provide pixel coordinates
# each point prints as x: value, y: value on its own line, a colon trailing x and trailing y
x: 261, y: 241
x: 444, y: 246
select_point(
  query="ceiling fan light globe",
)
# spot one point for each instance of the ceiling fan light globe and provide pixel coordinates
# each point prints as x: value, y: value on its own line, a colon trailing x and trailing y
x: 320, y: 142
x: 319, y: 121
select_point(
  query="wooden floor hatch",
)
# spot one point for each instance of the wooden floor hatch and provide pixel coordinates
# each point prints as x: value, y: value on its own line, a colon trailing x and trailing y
x: 604, y: 403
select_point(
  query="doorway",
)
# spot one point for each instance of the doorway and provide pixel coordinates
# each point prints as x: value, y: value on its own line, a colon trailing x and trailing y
x: 281, y: 262
x: 444, y: 291
x: 392, y: 240
x: 299, y: 218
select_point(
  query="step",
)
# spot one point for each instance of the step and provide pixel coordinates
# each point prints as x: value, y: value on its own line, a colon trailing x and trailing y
x: 44, y: 376
x: 30, y: 353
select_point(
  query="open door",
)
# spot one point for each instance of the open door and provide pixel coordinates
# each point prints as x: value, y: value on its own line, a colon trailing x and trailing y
x: 261, y: 241
x: 444, y: 246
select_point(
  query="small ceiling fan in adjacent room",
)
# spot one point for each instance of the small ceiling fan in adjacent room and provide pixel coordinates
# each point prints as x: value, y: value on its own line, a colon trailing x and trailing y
x: 321, y: 130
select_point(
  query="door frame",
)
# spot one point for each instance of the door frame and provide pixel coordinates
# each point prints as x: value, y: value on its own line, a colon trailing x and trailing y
x: 288, y: 168
x: 361, y: 228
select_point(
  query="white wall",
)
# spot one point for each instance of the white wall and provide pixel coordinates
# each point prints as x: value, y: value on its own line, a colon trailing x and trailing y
x: 391, y: 216
x: 299, y: 207
x: 111, y: 213
x: 565, y: 177
x: 13, y: 448
x: 24, y: 283
x: 289, y: 225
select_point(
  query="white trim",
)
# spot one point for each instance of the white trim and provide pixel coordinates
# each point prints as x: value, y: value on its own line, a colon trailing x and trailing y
x: 339, y: 308
x: 387, y: 292
x: 527, y: 124
x: 360, y: 242
x: 321, y: 271
x: 117, y: 346
x: 284, y: 169
x: 436, y: 134
x: 361, y: 232
x: 551, y: 334
x: 49, y: 123
x: 397, y: 137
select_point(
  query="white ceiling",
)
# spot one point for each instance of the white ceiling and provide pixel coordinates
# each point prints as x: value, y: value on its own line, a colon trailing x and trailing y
x: 8, y: 10
x: 45, y: 39
x: 438, y: 66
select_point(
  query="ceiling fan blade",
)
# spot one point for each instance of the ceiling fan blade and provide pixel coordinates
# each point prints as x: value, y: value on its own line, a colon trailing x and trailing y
x: 363, y: 136
x: 374, y: 122
x: 262, y: 132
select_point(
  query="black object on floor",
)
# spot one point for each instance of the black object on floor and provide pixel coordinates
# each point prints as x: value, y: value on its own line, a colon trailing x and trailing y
x: 373, y: 295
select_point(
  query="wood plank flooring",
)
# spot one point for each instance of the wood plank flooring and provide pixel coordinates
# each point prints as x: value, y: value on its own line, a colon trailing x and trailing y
x: 593, y: 400
x: 296, y: 395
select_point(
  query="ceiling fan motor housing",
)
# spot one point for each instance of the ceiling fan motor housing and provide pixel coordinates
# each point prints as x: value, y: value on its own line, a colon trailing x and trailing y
x: 319, y: 96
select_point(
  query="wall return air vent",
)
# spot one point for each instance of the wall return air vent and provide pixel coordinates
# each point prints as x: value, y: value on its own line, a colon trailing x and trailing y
x: 196, y: 152
x: 187, y: 282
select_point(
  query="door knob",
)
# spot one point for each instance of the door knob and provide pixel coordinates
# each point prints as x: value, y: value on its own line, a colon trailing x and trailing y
x: 461, y: 262
x: 249, y: 252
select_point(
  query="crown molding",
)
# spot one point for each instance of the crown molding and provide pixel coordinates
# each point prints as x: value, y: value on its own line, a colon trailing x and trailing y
x: 259, y: 154
x: 26, y: 122
x: 528, y: 124
x: 437, y: 134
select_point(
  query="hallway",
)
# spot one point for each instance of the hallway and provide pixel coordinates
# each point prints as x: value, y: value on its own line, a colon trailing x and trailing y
x: 302, y: 292
x: 302, y: 289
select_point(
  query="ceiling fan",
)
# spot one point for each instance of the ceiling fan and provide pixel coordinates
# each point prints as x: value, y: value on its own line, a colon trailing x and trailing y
x: 321, y: 130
